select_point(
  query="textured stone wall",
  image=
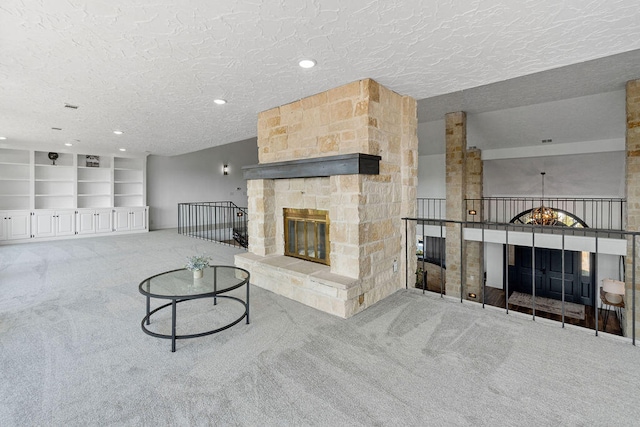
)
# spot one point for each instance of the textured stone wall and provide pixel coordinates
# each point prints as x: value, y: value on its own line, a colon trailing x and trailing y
x: 474, y: 250
x: 456, y: 143
x: 409, y: 176
x: 365, y: 211
x: 261, y: 210
x: 329, y: 123
x: 633, y: 200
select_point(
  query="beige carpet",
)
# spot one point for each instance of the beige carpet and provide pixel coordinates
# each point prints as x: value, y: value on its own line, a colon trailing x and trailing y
x: 575, y: 311
x: 72, y: 353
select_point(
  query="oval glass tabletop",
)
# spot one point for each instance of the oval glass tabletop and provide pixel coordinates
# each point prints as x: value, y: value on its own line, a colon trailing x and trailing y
x: 181, y: 282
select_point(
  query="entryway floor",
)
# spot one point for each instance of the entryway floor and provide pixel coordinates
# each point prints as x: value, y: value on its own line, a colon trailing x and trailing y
x: 496, y: 298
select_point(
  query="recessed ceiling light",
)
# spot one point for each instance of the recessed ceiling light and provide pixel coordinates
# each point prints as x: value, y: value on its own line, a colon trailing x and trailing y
x: 68, y: 144
x: 220, y: 101
x: 3, y: 137
x: 123, y: 149
x: 118, y: 132
x: 307, y: 63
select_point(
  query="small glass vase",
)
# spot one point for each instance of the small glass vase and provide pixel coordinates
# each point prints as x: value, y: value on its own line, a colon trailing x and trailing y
x: 197, y: 274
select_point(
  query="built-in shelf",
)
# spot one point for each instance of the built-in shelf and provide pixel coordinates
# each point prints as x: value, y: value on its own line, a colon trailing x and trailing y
x: 15, y: 179
x: 41, y: 158
x: 30, y: 180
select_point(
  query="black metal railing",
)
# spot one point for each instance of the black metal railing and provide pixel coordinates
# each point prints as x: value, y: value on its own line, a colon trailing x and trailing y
x: 222, y: 222
x: 600, y: 213
x: 437, y: 227
x: 432, y: 208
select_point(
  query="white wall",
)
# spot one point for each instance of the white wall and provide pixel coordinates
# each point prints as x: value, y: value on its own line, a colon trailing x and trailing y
x: 570, y: 175
x: 197, y: 177
x: 432, y: 177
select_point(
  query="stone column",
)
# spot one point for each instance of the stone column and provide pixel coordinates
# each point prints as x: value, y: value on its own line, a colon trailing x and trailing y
x: 456, y: 145
x: 633, y: 203
x: 260, y: 227
x: 409, y: 173
x: 473, y: 250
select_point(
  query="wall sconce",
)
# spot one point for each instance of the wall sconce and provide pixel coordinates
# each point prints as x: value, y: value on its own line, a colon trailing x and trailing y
x: 225, y: 170
x: 472, y: 295
x: 472, y: 212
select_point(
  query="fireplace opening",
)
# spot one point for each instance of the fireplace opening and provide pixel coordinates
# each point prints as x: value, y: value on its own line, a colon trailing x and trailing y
x: 306, y: 234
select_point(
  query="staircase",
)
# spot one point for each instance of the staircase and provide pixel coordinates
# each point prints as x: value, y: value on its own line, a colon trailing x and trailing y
x: 222, y: 222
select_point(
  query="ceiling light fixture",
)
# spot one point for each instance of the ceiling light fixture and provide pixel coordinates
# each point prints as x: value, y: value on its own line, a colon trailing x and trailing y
x: 219, y: 101
x: 544, y: 215
x: 118, y: 132
x: 68, y: 144
x: 3, y: 137
x: 307, y: 63
x: 122, y: 149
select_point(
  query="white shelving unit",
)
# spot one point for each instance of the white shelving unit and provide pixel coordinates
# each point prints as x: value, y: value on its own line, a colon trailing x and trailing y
x: 128, y: 181
x: 95, y: 181
x: 15, y: 179
x: 54, y: 181
x: 78, y: 195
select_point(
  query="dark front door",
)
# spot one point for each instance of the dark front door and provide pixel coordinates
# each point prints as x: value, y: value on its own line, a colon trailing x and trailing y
x: 578, y: 274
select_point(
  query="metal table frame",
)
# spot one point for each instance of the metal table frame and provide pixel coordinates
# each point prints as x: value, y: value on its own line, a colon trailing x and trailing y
x: 175, y: 299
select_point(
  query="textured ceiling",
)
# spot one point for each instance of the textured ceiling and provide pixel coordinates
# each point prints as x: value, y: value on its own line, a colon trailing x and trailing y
x: 153, y: 68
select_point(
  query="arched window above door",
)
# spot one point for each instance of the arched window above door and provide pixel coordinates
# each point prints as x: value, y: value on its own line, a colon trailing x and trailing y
x: 565, y: 219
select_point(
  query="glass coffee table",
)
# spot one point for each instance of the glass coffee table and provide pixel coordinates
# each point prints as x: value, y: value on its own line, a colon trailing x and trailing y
x: 180, y: 286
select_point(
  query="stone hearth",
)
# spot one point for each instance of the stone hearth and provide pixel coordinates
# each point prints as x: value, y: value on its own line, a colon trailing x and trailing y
x: 351, y: 151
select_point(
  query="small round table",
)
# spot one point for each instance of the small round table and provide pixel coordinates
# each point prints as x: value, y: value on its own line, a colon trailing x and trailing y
x: 180, y: 285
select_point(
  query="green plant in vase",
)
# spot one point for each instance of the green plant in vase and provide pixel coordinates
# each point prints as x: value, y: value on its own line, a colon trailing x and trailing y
x: 197, y: 264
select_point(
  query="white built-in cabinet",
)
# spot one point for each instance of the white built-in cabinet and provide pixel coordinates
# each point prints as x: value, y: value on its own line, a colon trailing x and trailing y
x: 49, y: 223
x: 129, y: 219
x: 92, y: 221
x: 15, y: 225
x: 73, y: 194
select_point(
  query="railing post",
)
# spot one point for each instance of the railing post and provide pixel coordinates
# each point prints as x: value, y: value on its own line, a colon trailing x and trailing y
x: 595, y: 286
x: 563, y: 267
x: 442, y: 249
x: 482, y: 272
x: 406, y: 253
x: 633, y: 289
x: 533, y: 271
x: 462, y: 258
x: 506, y: 269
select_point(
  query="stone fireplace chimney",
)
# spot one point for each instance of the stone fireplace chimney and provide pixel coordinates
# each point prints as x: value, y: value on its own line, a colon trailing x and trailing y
x: 351, y: 151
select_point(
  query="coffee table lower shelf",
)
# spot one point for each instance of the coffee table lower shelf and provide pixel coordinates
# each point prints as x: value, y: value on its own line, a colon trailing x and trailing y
x: 173, y: 337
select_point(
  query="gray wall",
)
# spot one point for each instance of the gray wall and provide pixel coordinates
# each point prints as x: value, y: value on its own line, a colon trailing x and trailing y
x: 197, y: 177
x: 577, y: 175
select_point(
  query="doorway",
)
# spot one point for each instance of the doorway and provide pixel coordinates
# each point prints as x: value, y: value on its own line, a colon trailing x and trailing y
x: 579, y: 274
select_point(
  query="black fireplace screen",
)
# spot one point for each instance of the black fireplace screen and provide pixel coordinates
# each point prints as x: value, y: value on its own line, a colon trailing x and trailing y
x: 306, y: 234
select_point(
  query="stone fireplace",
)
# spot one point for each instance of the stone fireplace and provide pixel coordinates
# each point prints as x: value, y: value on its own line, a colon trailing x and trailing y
x: 351, y: 152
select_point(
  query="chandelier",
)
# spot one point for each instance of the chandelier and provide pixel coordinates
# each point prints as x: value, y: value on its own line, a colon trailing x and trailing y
x: 543, y: 215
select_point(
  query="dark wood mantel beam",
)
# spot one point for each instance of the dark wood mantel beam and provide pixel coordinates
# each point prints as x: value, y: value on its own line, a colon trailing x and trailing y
x: 344, y: 164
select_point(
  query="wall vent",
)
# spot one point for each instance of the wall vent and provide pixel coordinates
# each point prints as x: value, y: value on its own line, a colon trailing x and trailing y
x: 546, y: 141
x: 73, y: 107
x: 56, y: 128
